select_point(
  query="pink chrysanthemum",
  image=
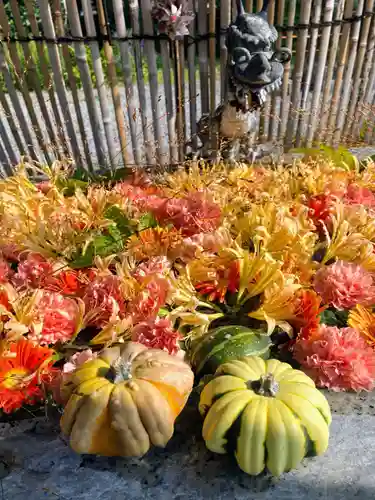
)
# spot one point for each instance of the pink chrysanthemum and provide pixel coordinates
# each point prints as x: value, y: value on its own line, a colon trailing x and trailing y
x: 339, y: 359
x: 154, y: 265
x: 157, y: 334
x: 34, y: 272
x: 344, y: 285
x: 357, y: 195
x: 56, y: 318
x: 152, y: 297
x: 104, y: 300
x: 5, y: 271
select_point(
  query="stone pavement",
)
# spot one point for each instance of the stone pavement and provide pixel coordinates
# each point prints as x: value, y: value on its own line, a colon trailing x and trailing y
x: 36, y: 464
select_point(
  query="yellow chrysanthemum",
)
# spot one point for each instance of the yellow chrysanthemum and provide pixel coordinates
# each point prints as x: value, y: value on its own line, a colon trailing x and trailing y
x: 363, y: 320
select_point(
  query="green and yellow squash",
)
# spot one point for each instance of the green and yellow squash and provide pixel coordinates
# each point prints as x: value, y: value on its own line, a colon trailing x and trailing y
x: 224, y: 343
x: 125, y: 400
x: 270, y: 414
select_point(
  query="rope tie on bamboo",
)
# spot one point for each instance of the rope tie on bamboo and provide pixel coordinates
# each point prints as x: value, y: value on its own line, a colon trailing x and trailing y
x: 190, y: 39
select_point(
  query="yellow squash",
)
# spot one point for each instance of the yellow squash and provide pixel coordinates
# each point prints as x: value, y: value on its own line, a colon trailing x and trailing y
x: 273, y: 414
x: 125, y: 400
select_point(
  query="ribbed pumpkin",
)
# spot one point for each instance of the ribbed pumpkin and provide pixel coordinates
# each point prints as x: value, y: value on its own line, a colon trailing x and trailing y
x: 125, y: 400
x: 225, y: 343
x: 269, y: 413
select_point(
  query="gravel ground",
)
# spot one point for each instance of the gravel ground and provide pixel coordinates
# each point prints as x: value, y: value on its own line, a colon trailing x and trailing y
x: 36, y: 464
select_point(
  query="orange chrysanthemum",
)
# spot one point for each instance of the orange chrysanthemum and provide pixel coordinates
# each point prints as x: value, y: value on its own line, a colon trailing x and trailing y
x: 20, y: 375
x: 154, y: 242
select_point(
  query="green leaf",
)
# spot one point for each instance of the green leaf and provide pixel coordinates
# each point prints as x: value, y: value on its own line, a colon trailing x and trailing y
x: 163, y: 312
x: 147, y: 221
x: 102, y: 245
x: 69, y: 186
x: 123, y: 223
x: 334, y: 317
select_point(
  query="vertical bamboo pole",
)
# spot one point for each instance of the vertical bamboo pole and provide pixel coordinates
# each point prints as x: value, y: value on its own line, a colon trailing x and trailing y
x: 203, y: 57
x: 306, y: 84
x: 17, y: 106
x: 60, y: 31
x: 249, y: 5
x: 212, y: 54
x: 7, y: 113
x: 6, y: 141
x: 49, y: 31
x: 100, y: 82
x: 148, y: 30
x: 224, y: 24
x: 266, y: 111
x: 341, y: 64
x: 112, y: 76
x: 363, y: 50
x: 348, y: 79
x: 179, y: 99
x: 32, y: 73
x: 275, y: 118
x: 259, y: 5
x: 324, y: 46
x: 84, y: 70
x: 329, y: 82
x: 23, y: 85
x: 298, y: 72
x: 171, y: 112
x: 285, y: 99
x: 143, y: 105
x: 192, y: 85
x: 5, y: 168
x: 47, y: 78
x: 368, y: 69
x: 127, y: 68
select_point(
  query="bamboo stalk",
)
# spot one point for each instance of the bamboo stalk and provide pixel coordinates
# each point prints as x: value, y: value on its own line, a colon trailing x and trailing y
x: 285, y: 99
x: 12, y: 124
x: 60, y: 30
x: 149, y: 143
x: 327, y: 93
x: 17, y: 106
x: 10, y: 151
x: 100, y: 82
x: 324, y: 46
x: 203, y: 58
x: 304, y: 115
x: 298, y: 73
x: 266, y: 111
x: 49, y: 31
x: 360, y: 60
x: 259, y: 5
x: 368, y: 69
x: 249, y: 5
x: 171, y: 112
x: 153, y: 80
x: 128, y: 80
x: 16, y: 63
x: 348, y: 79
x: 224, y: 23
x: 5, y: 168
x: 341, y: 63
x: 212, y: 55
x: 32, y: 74
x: 84, y: 70
x: 368, y: 86
x: 112, y: 77
x: 47, y: 79
x: 274, y: 115
x: 192, y: 85
x: 180, y: 100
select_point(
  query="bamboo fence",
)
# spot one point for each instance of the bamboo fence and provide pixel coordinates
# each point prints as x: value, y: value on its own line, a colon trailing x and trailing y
x: 74, y: 84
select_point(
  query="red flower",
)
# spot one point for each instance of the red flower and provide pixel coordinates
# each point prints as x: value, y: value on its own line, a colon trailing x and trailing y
x: 157, y: 334
x: 337, y: 358
x: 58, y: 317
x: 20, y: 375
x: 228, y: 280
x: 5, y: 271
x: 145, y: 306
x: 34, y: 272
x: 357, y: 195
x: 104, y: 300
x: 154, y: 265
x: 320, y: 209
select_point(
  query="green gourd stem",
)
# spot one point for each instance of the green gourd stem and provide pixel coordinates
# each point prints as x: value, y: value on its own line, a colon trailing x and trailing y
x: 265, y: 386
x: 121, y: 371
